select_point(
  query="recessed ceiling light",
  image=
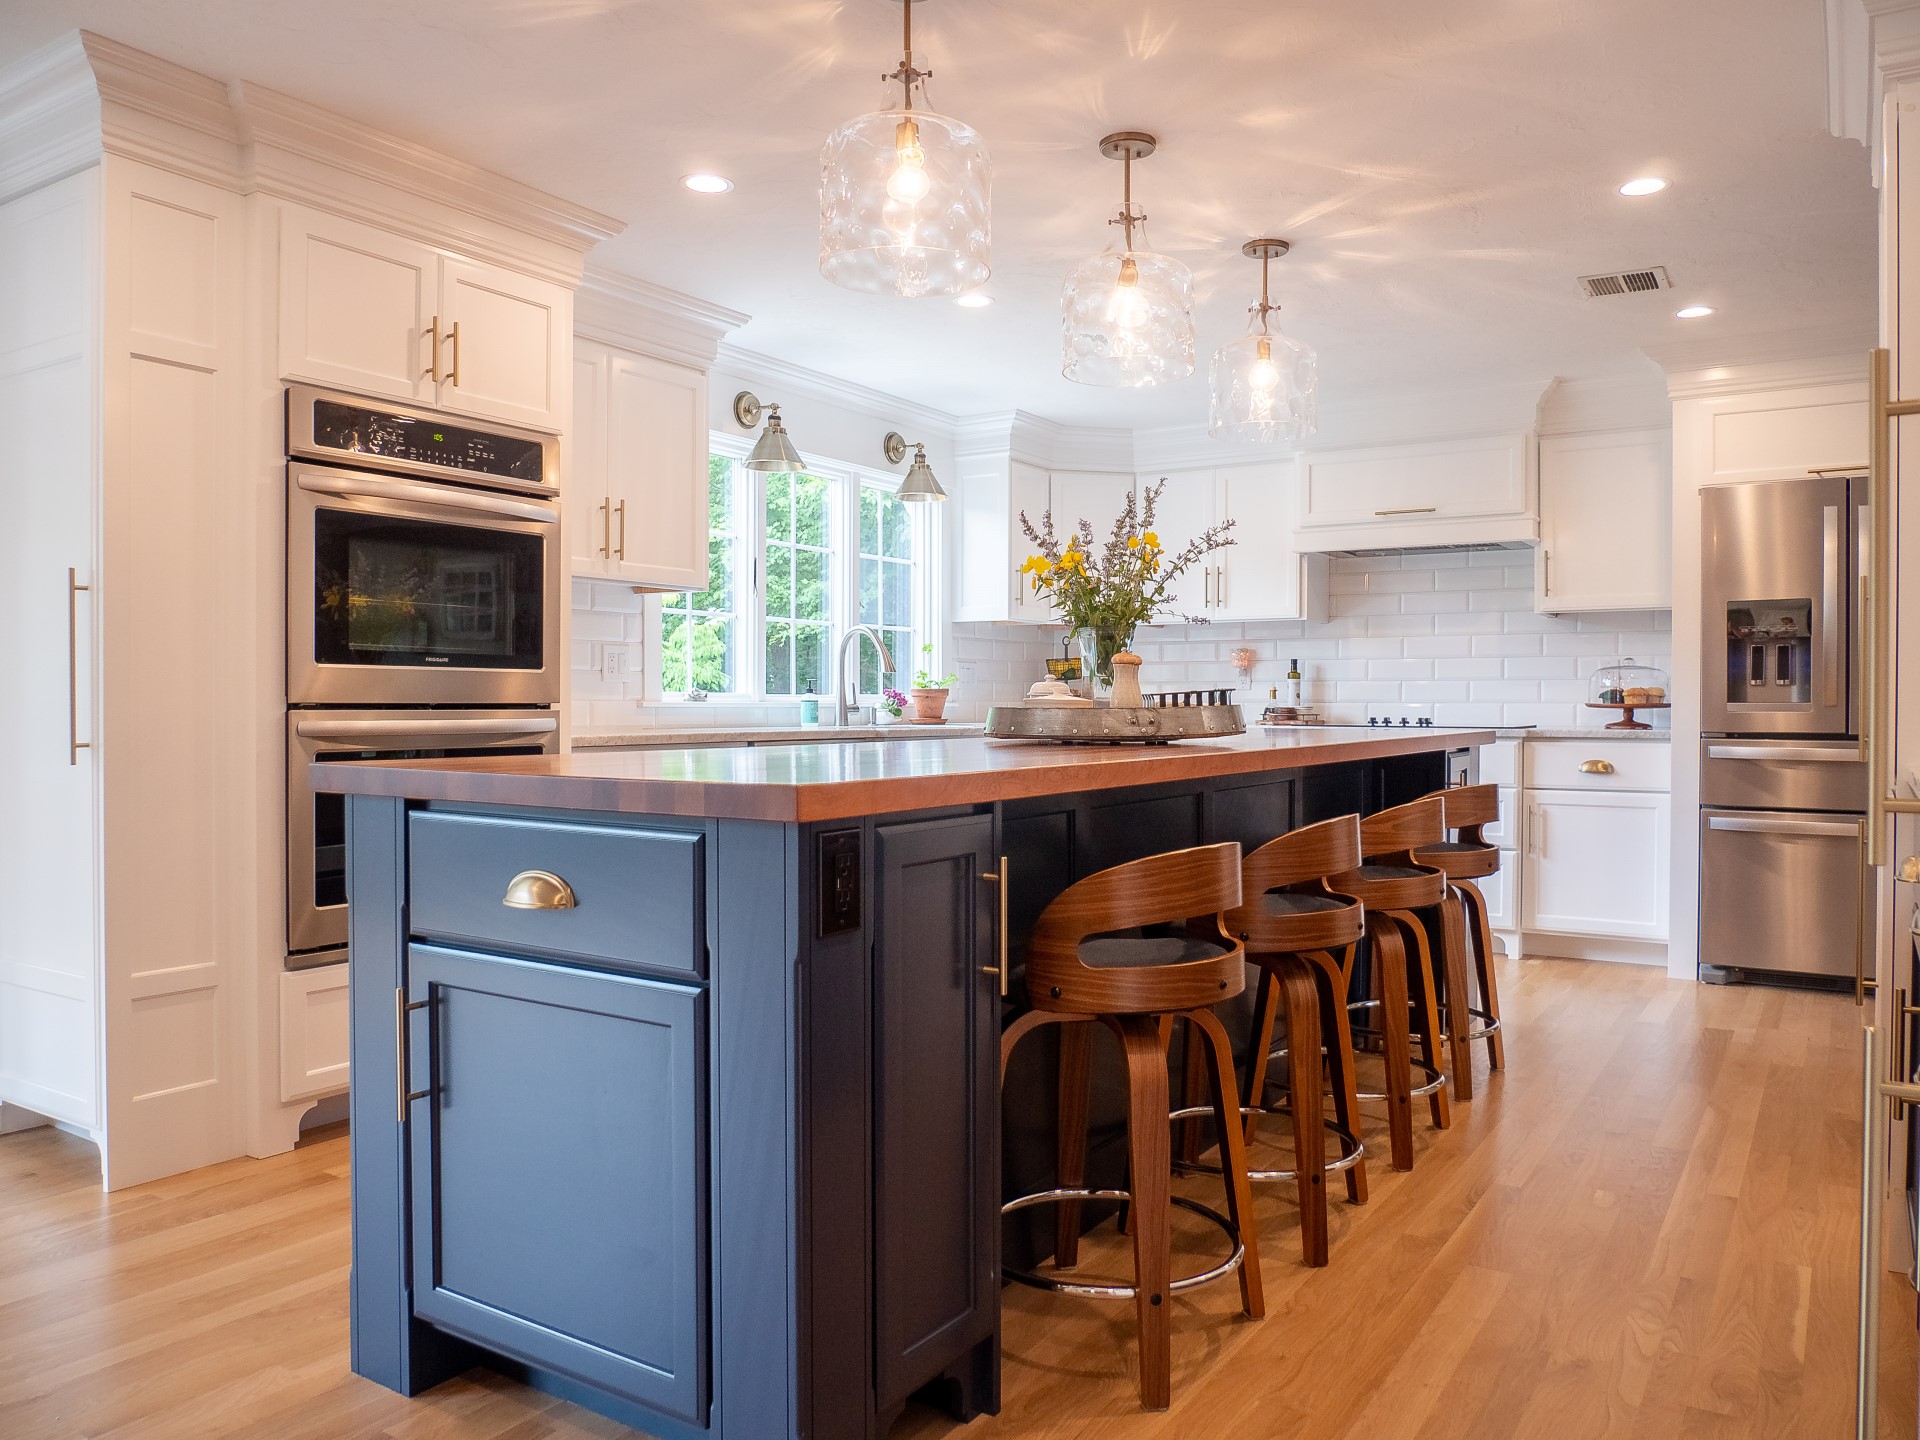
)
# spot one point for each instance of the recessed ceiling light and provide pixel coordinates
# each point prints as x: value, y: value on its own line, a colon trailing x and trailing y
x: 1693, y: 312
x: 1645, y: 185
x: 707, y: 184
x: 973, y: 300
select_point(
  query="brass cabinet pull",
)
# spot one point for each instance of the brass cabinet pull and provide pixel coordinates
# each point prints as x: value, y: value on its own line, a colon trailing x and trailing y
x: 74, y: 743
x: 1546, y: 572
x: 401, y: 1008
x: 998, y: 879
x: 1410, y: 510
x: 1220, y: 586
x: 1596, y: 767
x: 606, y: 528
x: 453, y: 375
x: 1206, y: 593
x: 620, y: 550
x: 432, y: 372
x: 539, y: 890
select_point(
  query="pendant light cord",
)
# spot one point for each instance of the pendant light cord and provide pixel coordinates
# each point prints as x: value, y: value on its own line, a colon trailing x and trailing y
x: 906, y: 74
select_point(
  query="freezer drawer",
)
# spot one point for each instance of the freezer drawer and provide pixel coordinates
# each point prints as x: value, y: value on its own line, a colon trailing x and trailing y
x: 1783, y: 891
x: 1783, y: 774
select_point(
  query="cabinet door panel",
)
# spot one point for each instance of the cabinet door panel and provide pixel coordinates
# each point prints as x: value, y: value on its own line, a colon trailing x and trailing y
x: 1392, y: 484
x: 1185, y: 508
x: 354, y: 306
x: 936, y: 1113
x: 1499, y: 889
x: 513, y: 345
x: 589, y: 539
x: 559, y: 1170
x: 1596, y: 863
x: 657, y: 471
x: 1261, y: 576
x: 1606, y: 522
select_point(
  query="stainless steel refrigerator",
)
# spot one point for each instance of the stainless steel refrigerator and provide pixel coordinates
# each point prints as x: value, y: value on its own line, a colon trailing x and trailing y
x: 1783, y: 784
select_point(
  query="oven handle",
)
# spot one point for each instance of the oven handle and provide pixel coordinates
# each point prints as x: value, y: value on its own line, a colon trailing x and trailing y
x: 415, y: 729
x: 1842, y: 754
x: 375, y: 487
x: 1839, y: 829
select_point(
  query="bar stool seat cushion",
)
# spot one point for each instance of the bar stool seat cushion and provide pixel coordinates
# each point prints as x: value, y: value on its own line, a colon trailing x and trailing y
x: 1115, y: 952
x: 1288, y: 902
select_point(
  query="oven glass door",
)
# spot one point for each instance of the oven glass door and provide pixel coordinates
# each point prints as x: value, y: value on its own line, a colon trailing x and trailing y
x: 404, y: 592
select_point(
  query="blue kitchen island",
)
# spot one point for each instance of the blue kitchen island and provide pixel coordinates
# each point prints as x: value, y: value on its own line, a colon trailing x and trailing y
x: 675, y: 1072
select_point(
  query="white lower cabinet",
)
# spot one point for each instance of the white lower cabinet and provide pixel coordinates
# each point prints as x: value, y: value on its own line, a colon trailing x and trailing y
x: 1596, y: 863
x: 1498, y: 888
x: 313, y: 1032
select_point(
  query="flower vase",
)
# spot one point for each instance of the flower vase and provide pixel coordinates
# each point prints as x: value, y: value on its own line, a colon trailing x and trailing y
x: 1098, y: 644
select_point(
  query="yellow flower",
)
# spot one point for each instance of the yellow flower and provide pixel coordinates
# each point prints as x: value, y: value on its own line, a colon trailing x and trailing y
x: 1036, y: 565
x: 1152, y: 539
x: 1133, y: 542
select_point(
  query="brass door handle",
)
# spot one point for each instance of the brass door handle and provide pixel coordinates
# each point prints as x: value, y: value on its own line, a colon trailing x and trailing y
x: 620, y: 550
x: 1596, y: 767
x: 998, y: 879
x: 539, y: 890
x: 432, y: 372
x: 401, y: 1008
x: 453, y: 375
x: 1410, y: 510
x: 606, y: 528
x: 74, y: 743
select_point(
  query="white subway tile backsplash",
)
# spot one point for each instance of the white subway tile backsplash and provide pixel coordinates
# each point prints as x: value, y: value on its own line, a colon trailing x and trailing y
x: 1400, y: 669
x: 1540, y: 667
x: 598, y: 625
x: 1503, y: 690
x: 1506, y: 644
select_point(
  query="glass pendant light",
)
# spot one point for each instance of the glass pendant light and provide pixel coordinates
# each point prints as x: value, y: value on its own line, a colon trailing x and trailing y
x: 1128, y: 312
x: 904, y: 195
x: 1264, y: 382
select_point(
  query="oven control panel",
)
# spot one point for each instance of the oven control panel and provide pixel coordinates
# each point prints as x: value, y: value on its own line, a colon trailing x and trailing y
x: 328, y: 426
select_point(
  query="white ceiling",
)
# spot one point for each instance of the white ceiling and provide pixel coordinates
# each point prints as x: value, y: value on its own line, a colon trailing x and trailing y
x: 1445, y: 168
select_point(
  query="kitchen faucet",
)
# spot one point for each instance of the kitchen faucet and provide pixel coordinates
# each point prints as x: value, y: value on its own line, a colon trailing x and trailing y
x: 843, y: 674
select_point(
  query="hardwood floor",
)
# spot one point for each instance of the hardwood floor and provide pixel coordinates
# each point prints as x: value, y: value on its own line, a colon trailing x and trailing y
x: 1644, y: 1227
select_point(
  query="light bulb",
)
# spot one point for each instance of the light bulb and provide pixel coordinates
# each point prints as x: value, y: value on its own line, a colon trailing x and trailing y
x: 1127, y: 307
x: 909, y: 182
x: 1264, y: 375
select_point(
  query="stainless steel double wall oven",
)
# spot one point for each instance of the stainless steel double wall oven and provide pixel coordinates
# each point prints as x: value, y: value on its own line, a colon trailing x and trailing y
x: 425, y: 577
x: 1783, y: 782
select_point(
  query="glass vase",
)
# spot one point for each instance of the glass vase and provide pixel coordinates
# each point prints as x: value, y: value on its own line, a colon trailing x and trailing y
x: 1097, y: 645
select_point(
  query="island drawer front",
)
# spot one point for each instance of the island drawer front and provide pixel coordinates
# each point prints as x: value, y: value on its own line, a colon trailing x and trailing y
x: 639, y: 894
x: 1635, y: 764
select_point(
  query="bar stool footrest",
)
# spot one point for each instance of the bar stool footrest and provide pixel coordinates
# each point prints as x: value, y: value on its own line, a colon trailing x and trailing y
x: 1436, y: 1079
x: 1352, y: 1148
x: 1123, y: 1292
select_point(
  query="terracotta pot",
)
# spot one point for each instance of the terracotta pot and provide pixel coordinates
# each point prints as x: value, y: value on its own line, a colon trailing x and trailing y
x: 929, y: 706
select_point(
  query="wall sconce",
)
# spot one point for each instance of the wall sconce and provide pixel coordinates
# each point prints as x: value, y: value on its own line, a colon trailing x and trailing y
x: 919, y: 484
x: 773, y: 451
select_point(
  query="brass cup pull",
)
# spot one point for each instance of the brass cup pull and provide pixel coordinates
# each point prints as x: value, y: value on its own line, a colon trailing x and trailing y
x: 539, y: 890
x: 1596, y: 767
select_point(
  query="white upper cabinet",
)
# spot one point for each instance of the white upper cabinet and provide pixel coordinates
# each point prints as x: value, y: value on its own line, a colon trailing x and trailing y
x: 503, y: 343
x: 1473, y: 491
x: 1262, y: 575
x: 355, y: 304
x: 987, y: 499
x: 1095, y: 496
x: 638, y: 493
x: 1606, y: 522
x: 362, y: 309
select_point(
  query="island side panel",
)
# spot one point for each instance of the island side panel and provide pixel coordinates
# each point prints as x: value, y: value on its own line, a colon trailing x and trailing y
x: 754, y: 921
x: 388, y: 1345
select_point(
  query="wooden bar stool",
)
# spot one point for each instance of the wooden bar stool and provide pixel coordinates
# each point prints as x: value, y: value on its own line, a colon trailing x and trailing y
x: 1400, y: 895
x: 1291, y: 925
x: 1080, y: 972
x: 1468, y: 857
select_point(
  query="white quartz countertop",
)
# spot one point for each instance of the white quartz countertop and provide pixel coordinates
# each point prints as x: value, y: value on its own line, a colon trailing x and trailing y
x: 1583, y: 732
x: 666, y: 738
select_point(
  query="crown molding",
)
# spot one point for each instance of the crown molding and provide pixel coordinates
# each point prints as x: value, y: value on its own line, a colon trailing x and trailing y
x: 86, y: 96
x: 1615, y: 402
x: 1778, y: 360
x: 639, y: 315
x: 785, y: 380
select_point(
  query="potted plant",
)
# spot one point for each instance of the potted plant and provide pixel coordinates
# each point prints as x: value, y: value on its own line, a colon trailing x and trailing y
x: 1104, y: 596
x: 892, y: 704
x: 929, y: 694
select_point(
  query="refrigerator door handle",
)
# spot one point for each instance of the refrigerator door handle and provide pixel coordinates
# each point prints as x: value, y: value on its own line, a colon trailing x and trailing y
x: 1832, y: 552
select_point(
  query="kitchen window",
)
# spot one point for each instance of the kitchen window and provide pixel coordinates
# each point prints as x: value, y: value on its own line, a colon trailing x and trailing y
x: 794, y: 560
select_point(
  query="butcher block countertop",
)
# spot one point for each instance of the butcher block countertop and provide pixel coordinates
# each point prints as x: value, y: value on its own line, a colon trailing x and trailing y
x: 838, y: 782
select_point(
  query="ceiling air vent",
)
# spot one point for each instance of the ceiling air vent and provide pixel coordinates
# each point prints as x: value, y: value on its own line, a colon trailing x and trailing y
x: 1626, y: 282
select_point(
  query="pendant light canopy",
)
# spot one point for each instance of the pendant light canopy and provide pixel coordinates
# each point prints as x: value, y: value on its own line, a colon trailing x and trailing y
x: 1264, y: 382
x: 904, y: 194
x: 1128, y: 312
